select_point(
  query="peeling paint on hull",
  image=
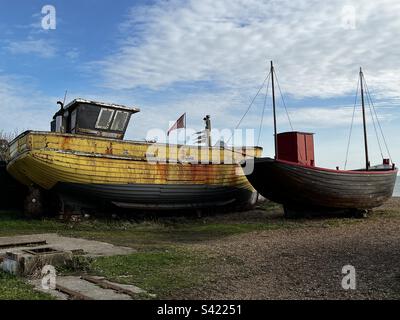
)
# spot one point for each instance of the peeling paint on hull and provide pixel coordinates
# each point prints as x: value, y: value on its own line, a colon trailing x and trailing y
x: 118, y: 171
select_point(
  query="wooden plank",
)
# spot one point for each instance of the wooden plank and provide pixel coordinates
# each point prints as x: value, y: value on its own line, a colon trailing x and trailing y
x: 107, y: 285
x: 23, y: 244
x: 75, y: 295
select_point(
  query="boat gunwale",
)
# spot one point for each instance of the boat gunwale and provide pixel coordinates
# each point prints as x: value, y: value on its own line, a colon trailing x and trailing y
x: 73, y: 135
x: 107, y: 156
x: 117, y: 157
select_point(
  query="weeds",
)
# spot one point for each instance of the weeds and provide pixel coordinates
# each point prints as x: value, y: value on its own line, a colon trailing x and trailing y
x: 5, y: 138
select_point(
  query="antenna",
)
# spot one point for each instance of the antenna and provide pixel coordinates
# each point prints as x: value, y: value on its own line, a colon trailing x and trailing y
x: 208, y: 129
x: 65, y: 96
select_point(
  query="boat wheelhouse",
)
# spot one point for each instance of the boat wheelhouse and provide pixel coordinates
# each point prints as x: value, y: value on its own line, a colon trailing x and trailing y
x: 88, y: 117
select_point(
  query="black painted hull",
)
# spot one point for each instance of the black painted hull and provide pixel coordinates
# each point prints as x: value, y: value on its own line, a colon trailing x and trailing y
x: 153, y: 196
x: 297, y: 186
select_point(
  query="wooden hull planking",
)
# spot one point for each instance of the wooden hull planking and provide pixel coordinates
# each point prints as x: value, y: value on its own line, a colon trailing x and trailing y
x: 296, y: 185
x: 118, y: 171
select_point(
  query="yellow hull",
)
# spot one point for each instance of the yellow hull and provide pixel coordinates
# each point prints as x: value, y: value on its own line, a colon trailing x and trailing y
x: 49, y: 160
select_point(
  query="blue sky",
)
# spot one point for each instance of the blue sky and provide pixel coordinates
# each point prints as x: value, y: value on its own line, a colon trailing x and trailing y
x: 207, y: 57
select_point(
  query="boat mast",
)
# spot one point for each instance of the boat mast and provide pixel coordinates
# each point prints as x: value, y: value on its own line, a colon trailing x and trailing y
x: 364, y: 121
x: 274, y: 111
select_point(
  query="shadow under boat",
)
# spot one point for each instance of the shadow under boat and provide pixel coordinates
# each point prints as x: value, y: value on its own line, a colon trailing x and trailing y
x: 12, y: 193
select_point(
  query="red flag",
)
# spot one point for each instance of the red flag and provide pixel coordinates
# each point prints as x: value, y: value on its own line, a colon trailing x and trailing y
x: 180, y: 123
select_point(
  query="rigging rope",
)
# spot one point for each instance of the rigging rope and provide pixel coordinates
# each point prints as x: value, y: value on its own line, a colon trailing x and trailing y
x: 283, y: 100
x: 248, y: 108
x: 379, y: 124
x: 262, y: 114
x: 376, y: 131
x: 351, y: 126
x: 265, y: 103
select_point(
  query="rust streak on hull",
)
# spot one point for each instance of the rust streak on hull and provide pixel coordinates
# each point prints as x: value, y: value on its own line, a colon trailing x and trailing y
x: 119, y: 172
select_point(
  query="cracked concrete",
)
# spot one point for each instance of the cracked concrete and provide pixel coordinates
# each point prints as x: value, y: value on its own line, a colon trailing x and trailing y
x: 91, y: 248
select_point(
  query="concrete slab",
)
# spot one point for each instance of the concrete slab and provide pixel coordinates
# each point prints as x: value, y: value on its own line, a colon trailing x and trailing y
x: 90, y: 247
x: 23, y: 255
x: 37, y: 283
x: 28, y: 262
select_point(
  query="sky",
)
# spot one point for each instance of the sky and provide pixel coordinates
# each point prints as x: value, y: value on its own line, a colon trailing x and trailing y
x: 209, y: 57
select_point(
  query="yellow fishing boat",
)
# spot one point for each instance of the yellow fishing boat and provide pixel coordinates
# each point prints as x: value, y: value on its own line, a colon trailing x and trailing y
x: 85, y: 161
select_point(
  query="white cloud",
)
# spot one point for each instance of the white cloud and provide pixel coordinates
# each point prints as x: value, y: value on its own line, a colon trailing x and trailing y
x: 227, y: 45
x: 229, y: 42
x: 72, y: 54
x: 22, y: 107
x: 332, y: 117
x: 38, y: 47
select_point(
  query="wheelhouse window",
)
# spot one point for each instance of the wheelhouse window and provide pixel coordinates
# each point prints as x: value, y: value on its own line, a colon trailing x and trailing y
x: 120, y: 120
x: 58, y: 123
x: 104, y: 119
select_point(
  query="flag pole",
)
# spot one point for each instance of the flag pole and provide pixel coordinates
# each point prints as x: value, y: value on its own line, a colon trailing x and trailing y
x: 185, y: 128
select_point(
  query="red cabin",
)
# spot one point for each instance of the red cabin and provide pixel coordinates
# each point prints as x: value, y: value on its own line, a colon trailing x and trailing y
x: 296, y: 147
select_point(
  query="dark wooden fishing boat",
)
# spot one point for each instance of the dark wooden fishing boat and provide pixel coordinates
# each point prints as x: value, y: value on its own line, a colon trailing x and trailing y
x: 292, y: 179
x: 301, y: 186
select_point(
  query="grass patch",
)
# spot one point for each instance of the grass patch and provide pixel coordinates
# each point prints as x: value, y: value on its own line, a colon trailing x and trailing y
x: 212, y: 230
x: 158, y: 232
x: 170, y: 231
x: 165, y: 262
x: 161, y: 272
x: 269, y: 205
x: 14, y: 223
x: 166, y: 231
x: 14, y: 288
